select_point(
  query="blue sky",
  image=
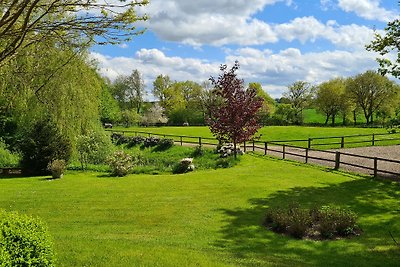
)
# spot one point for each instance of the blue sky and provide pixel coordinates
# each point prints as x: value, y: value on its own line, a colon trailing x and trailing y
x: 276, y: 42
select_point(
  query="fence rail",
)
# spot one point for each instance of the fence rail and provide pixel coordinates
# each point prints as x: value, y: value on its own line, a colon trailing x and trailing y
x: 308, y: 152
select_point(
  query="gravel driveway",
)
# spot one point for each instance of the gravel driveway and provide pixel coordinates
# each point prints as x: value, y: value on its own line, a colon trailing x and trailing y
x: 327, y: 158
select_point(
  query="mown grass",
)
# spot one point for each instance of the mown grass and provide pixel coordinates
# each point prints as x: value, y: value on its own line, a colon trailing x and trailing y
x: 206, y: 218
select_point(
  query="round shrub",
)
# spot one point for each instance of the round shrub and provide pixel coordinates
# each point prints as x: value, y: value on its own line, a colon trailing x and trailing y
x: 24, y: 241
x: 43, y: 144
x: 93, y: 147
x: 120, y: 163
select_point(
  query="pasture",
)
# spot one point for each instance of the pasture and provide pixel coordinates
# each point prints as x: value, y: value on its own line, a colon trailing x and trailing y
x: 206, y: 218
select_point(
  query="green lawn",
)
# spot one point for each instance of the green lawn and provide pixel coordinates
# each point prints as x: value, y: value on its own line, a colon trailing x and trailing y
x: 274, y: 133
x: 206, y: 218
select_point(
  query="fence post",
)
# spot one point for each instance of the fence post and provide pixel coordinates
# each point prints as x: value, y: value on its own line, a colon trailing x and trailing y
x: 337, y: 160
x: 199, y: 141
x: 375, y: 167
x: 342, y: 142
x: 253, y: 145
x: 373, y: 139
x: 181, y: 140
x: 265, y: 148
x: 244, y: 146
x: 306, y: 155
x: 283, y: 151
x: 309, y: 142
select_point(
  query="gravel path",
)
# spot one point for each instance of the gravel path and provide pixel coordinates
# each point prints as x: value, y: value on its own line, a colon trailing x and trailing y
x: 348, y: 162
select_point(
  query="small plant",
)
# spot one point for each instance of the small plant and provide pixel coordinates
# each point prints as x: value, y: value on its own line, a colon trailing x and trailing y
x: 198, y: 151
x: 24, y: 241
x: 120, y: 163
x: 57, y: 168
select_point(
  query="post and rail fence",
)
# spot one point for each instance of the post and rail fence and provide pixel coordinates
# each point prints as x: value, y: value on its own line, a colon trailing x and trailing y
x: 306, y: 150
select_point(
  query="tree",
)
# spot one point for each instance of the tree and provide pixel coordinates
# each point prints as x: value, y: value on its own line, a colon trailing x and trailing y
x: 370, y: 91
x: 299, y: 94
x: 330, y: 98
x: 385, y: 45
x: 235, y: 119
x: 109, y: 108
x: 154, y: 116
x: 268, y: 106
x: 129, y: 91
x: 160, y: 86
x: 71, y: 23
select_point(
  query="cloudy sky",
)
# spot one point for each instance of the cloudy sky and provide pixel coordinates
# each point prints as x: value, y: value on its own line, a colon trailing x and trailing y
x: 276, y: 42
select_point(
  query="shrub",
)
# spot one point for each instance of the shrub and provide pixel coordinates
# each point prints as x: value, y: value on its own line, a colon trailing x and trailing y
x: 7, y: 158
x: 41, y: 145
x: 151, y: 141
x: 57, y: 168
x: 198, y: 151
x: 164, y: 144
x: 327, y: 221
x: 120, y: 163
x: 24, y: 241
x: 184, y: 165
x: 134, y: 140
x: 93, y: 147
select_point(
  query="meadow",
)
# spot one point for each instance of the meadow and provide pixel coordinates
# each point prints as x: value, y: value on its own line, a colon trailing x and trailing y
x: 207, y: 217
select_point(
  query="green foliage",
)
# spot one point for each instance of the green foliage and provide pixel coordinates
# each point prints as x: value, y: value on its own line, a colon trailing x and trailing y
x: 130, y: 118
x: 24, y: 241
x: 93, y: 147
x: 298, y: 222
x: 335, y: 221
x: 120, y: 163
x: 7, y: 158
x: 109, y: 110
x: 43, y: 144
x: 57, y: 168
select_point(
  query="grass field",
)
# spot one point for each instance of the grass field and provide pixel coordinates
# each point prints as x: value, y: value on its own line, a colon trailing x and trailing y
x: 206, y: 218
x: 274, y: 133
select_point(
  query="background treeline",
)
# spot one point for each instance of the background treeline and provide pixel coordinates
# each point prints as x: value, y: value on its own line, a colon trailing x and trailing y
x: 365, y: 99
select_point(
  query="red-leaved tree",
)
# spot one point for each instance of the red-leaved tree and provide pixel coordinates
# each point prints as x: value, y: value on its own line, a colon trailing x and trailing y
x: 234, y: 118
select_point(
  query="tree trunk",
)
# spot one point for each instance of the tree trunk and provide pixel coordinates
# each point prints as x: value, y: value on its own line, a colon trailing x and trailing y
x: 355, y: 117
x: 333, y: 119
x: 234, y: 149
x: 344, y: 119
x: 327, y: 119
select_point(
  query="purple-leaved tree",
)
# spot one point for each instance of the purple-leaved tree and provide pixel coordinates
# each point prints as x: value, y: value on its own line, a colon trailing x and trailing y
x: 234, y: 119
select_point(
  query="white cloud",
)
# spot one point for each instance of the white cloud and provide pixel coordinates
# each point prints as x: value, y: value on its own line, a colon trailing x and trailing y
x: 368, y: 9
x: 275, y: 71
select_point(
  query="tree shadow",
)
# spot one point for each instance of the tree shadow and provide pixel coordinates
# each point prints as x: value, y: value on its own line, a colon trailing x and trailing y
x: 376, y: 203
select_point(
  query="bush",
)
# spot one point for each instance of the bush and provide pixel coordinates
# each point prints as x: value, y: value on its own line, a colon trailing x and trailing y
x: 327, y: 221
x: 24, y: 241
x: 7, y: 158
x: 134, y: 141
x: 41, y: 145
x: 198, y: 151
x: 151, y: 141
x: 57, y: 168
x: 120, y: 163
x: 164, y: 144
x: 93, y: 148
x: 184, y: 165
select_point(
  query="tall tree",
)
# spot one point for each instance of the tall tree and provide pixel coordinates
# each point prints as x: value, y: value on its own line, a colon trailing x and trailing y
x: 299, y: 94
x: 235, y: 119
x: 330, y: 98
x: 268, y: 107
x: 160, y: 86
x: 129, y: 91
x: 72, y: 23
x: 370, y: 91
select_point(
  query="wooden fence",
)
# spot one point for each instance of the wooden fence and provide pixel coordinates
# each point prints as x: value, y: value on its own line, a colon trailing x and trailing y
x: 307, y: 151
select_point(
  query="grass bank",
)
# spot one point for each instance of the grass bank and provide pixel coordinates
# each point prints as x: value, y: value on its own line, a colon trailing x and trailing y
x: 205, y: 218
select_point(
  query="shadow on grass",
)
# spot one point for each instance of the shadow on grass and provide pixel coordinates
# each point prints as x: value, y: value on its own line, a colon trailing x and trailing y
x: 376, y: 203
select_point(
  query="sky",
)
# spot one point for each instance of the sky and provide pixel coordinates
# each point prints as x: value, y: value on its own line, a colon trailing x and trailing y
x: 276, y: 42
